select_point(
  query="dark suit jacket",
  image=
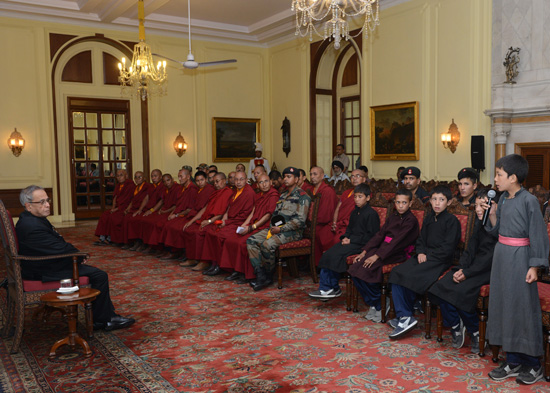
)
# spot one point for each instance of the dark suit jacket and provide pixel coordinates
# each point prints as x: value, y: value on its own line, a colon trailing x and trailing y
x: 37, y: 237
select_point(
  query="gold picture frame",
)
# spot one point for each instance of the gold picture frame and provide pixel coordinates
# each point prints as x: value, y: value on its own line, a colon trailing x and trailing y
x: 233, y: 138
x: 394, y: 131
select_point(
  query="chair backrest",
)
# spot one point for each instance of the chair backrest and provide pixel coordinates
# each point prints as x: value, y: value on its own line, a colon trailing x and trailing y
x: 419, y: 209
x: 466, y: 219
x: 381, y: 206
x: 9, y: 243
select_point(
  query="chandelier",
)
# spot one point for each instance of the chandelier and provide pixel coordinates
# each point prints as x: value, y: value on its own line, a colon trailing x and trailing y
x: 142, y: 78
x: 309, y: 12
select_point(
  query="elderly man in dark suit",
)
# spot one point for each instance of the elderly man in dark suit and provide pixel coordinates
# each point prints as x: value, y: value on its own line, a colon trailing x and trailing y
x: 37, y: 237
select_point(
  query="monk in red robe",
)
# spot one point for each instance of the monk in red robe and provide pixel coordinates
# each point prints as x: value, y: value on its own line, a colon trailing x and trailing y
x: 186, y: 196
x: 172, y: 234
x: 195, y: 229
x: 122, y: 197
x: 140, y: 193
x: 327, y: 204
x: 132, y: 226
x: 329, y: 235
x: 163, y: 209
x: 234, y: 255
x: 256, y: 173
x: 240, y: 207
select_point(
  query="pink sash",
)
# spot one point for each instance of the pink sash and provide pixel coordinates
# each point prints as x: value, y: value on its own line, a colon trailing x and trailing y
x: 514, y: 241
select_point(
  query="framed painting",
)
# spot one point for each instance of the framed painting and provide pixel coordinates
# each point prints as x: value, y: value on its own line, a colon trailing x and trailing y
x: 394, y: 132
x: 233, y: 139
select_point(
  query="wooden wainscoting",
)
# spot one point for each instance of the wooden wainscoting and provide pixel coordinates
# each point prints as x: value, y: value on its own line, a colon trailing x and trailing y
x: 11, y: 200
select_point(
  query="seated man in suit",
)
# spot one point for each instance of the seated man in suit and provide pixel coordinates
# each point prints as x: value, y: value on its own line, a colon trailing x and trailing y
x: 37, y: 237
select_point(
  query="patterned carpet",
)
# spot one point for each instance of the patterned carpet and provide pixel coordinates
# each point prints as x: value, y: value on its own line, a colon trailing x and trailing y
x: 197, y: 334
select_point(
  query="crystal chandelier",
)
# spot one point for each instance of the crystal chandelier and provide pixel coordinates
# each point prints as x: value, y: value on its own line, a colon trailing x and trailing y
x: 336, y: 28
x: 142, y: 78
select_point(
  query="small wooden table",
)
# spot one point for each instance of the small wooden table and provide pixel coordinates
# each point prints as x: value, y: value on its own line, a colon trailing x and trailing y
x: 69, y: 302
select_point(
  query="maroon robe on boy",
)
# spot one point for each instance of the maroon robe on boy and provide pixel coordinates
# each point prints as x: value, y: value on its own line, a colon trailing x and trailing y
x: 172, y: 234
x: 123, y: 193
x: 394, y: 243
x: 240, y: 207
x: 234, y: 255
x: 194, y: 234
x: 140, y: 192
x: 325, y: 214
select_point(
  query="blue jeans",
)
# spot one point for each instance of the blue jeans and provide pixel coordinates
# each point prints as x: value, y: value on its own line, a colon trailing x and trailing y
x: 328, y: 280
x: 515, y: 358
x: 453, y: 315
x: 403, y: 301
x: 370, y: 292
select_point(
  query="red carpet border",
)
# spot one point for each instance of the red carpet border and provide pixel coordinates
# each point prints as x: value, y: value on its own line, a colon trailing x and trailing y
x: 203, y: 334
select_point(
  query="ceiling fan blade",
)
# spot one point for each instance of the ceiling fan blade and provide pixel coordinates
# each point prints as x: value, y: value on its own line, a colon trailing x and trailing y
x: 211, y: 63
x: 167, y: 58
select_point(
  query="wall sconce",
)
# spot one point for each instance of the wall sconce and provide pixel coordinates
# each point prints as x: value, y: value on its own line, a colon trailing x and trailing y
x: 180, y: 146
x: 16, y: 143
x: 451, y: 138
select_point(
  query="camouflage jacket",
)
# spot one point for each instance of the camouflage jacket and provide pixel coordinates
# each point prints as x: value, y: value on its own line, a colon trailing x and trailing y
x: 293, y: 207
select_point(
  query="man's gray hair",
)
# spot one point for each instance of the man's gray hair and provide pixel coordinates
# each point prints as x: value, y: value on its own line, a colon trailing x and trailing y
x: 26, y: 194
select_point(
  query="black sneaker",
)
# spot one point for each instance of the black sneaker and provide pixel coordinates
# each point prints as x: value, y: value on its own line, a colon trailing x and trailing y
x: 504, y: 371
x: 528, y: 375
x: 458, y: 332
x: 405, y: 324
x: 393, y: 322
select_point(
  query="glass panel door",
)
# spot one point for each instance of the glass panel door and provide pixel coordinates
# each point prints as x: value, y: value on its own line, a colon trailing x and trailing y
x: 351, y: 129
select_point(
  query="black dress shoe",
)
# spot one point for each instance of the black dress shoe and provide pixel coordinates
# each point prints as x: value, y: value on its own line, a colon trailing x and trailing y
x: 118, y: 322
x: 242, y: 280
x: 100, y: 243
x: 233, y: 276
x: 99, y: 325
x: 214, y: 272
x: 212, y: 267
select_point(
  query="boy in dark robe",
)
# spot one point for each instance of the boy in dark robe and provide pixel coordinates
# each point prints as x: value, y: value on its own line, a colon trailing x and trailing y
x: 468, y: 180
x: 515, y: 320
x: 363, y: 225
x: 394, y: 243
x: 457, y: 292
x: 435, y: 247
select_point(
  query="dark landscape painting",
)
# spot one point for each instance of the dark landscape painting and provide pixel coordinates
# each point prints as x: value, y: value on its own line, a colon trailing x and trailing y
x: 233, y: 139
x: 394, y: 132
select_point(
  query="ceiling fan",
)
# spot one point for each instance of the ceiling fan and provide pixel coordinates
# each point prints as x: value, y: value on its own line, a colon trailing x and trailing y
x: 190, y: 63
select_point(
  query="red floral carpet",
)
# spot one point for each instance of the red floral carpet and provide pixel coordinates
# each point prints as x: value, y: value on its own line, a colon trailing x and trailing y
x: 197, y: 334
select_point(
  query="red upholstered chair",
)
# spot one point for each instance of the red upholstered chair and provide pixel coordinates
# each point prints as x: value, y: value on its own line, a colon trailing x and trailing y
x: 303, y: 247
x: 22, y: 293
x: 466, y: 218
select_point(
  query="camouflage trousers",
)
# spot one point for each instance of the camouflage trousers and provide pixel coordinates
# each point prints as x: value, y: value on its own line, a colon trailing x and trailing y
x: 261, y: 250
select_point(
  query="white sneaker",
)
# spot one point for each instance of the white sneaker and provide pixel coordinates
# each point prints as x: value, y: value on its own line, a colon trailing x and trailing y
x: 370, y: 314
x: 378, y: 315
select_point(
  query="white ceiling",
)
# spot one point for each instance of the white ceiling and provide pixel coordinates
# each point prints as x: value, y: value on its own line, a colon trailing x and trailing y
x: 255, y: 22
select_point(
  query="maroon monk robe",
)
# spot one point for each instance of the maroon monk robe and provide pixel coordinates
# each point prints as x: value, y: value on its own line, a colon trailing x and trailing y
x: 307, y: 187
x: 123, y: 193
x: 234, y: 254
x: 240, y: 206
x: 325, y: 238
x: 194, y: 235
x: 185, y: 197
x: 135, y: 223
x: 170, y: 197
x: 325, y: 214
x: 394, y: 243
x: 172, y: 234
x: 140, y: 193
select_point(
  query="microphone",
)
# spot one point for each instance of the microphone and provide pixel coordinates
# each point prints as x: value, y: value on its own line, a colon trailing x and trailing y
x: 490, y: 195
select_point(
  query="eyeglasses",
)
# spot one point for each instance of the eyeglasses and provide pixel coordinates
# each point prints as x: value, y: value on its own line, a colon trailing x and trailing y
x: 44, y: 201
x: 357, y: 176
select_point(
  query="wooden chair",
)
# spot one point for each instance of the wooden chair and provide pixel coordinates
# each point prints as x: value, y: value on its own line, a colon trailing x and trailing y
x: 466, y: 218
x: 22, y: 293
x: 303, y: 247
x: 419, y: 210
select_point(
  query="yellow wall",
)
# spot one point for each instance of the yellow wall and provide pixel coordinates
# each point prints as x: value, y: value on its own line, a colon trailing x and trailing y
x: 436, y: 52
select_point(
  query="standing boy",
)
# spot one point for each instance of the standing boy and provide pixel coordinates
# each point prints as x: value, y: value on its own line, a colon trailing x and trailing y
x: 457, y: 292
x: 394, y: 243
x: 363, y: 225
x: 434, y: 254
x: 515, y: 320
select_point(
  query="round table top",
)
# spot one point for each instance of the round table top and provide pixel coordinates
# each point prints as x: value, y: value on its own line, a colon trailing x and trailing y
x: 78, y: 296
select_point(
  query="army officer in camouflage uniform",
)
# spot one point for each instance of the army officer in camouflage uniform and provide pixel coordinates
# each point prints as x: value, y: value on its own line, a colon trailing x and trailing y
x: 293, y: 206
